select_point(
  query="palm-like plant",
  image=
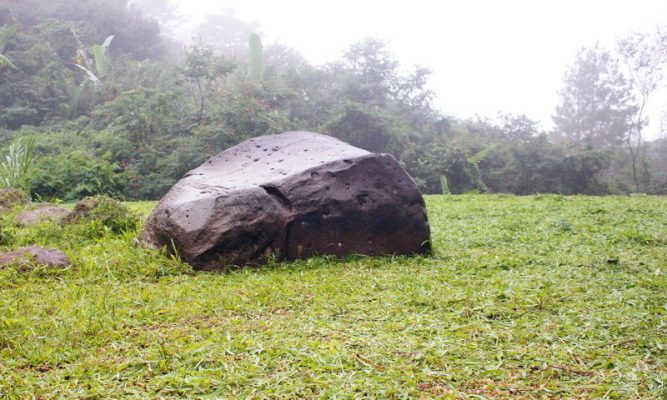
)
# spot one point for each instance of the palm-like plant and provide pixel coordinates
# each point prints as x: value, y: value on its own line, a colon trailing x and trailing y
x: 17, y: 163
x: 5, y: 33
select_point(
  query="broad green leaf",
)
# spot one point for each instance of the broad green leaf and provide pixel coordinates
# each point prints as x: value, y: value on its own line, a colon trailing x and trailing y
x: 107, y: 41
x: 91, y: 75
x: 4, y: 60
x: 5, y: 33
x: 101, y: 62
x: 479, y: 156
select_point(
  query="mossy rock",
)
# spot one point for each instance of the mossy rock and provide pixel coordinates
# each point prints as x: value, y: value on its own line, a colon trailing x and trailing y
x: 105, y: 210
x: 39, y: 213
x: 12, y: 197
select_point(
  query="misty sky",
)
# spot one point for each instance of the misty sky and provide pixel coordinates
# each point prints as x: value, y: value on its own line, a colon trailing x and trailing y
x: 486, y: 56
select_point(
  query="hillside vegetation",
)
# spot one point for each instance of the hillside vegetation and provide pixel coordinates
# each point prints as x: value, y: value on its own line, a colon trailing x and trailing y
x: 112, y: 106
x: 525, y: 297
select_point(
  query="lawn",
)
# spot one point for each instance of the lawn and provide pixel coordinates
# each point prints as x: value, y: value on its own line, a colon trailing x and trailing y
x: 524, y: 297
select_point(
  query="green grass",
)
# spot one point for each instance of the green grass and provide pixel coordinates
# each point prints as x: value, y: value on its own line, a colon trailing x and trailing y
x: 525, y: 297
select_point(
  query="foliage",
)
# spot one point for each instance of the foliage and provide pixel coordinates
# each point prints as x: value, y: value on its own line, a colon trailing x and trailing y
x: 578, y: 172
x: 657, y: 160
x: 95, y: 20
x: 597, y: 105
x: 207, y: 73
x: 17, y: 164
x: 100, y: 60
x: 370, y: 128
x: 74, y: 176
x: 5, y: 32
x: 34, y: 92
x: 566, y: 300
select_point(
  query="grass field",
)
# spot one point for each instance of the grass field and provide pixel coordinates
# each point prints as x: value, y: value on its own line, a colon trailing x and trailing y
x: 525, y: 297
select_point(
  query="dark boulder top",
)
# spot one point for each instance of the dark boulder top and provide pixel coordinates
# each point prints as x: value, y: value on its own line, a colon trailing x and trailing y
x: 267, y: 158
x: 290, y: 196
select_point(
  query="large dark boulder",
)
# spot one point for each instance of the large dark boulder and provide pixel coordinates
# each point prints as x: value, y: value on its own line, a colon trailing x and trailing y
x: 290, y: 196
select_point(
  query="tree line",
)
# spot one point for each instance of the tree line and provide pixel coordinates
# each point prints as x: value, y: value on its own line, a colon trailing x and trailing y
x: 95, y: 99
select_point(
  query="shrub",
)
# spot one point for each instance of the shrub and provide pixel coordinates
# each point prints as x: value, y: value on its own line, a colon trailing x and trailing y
x: 74, y: 176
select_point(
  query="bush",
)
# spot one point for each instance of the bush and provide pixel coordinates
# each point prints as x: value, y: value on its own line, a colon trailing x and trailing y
x: 74, y: 176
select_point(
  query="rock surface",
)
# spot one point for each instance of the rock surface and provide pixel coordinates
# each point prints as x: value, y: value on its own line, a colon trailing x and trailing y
x: 41, y: 214
x: 290, y: 196
x: 34, y: 255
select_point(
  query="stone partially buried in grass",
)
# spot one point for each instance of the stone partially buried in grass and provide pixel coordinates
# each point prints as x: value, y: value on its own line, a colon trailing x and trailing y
x: 290, y: 196
x: 12, y: 197
x: 27, y: 257
x: 109, y: 212
x: 42, y: 213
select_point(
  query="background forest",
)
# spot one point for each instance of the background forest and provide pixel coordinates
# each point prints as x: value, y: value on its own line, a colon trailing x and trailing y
x: 95, y: 98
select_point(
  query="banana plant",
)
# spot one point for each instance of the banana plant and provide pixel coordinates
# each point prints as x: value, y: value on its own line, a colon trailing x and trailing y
x: 95, y: 69
x: 464, y: 169
x: 481, y: 155
x: 99, y: 66
x: 5, y: 33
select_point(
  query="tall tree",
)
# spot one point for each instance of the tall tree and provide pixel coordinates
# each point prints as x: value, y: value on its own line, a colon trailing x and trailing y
x: 644, y: 56
x: 596, y: 103
x: 373, y: 72
x: 165, y: 11
x: 226, y: 34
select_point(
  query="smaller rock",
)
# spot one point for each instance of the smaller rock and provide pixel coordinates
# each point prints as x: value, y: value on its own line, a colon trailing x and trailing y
x: 33, y: 256
x: 111, y: 213
x: 43, y: 213
x: 12, y: 197
x: 84, y: 207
